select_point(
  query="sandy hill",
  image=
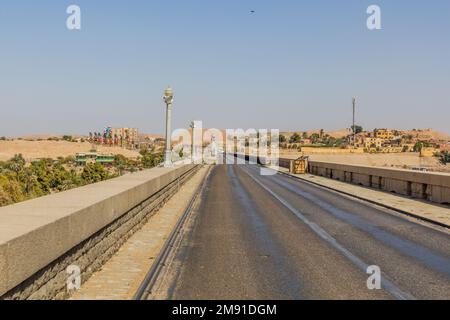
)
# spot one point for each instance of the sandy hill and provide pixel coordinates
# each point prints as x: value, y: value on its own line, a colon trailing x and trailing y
x: 54, y: 149
x: 46, y: 136
x: 150, y: 136
x: 335, y: 134
x: 428, y: 134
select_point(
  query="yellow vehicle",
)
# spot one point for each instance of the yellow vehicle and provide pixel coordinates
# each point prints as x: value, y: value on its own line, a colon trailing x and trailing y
x: 300, y: 165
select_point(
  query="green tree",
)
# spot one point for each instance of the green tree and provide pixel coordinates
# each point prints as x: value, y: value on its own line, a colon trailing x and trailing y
x: 444, y: 157
x: 29, y: 183
x: 339, y: 142
x: 16, y: 164
x: 121, y: 163
x: 10, y: 191
x: 315, y: 138
x: 418, y: 147
x: 43, y: 172
x: 295, y: 138
x: 94, y: 172
x: 147, y: 160
x: 19, y: 181
x: 357, y: 129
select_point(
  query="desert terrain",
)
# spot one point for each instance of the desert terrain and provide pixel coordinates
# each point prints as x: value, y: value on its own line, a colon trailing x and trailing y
x: 31, y: 150
x: 397, y: 160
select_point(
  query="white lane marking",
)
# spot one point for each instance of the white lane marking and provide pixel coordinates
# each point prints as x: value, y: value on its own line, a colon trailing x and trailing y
x: 388, y: 285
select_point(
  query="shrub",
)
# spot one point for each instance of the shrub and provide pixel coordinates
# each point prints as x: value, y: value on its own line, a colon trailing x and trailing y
x: 445, y: 157
x: 94, y: 172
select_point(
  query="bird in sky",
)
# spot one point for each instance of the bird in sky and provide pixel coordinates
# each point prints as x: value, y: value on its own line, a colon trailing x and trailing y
x: 252, y: 11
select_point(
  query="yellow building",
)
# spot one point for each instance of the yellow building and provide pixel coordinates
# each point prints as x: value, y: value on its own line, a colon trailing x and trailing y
x: 391, y: 150
x: 356, y: 140
x: 373, y: 143
x: 384, y: 134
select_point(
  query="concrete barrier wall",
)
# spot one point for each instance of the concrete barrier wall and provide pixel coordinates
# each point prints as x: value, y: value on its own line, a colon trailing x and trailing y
x: 429, y: 186
x: 312, y: 150
x: 36, y: 233
x: 285, y: 163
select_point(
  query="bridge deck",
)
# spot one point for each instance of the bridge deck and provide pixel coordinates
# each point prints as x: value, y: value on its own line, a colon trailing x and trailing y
x: 257, y: 237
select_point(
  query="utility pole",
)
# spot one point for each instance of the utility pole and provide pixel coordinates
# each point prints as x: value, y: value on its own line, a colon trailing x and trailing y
x: 354, y: 127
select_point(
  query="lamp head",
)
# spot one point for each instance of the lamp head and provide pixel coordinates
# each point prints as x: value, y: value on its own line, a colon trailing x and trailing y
x: 168, y: 93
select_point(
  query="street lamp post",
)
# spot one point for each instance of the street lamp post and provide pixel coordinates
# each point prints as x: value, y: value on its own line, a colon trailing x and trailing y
x: 168, y: 99
x: 193, y: 149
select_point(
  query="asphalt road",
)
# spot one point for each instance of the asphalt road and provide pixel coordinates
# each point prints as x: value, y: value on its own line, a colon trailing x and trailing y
x: 274, y: 237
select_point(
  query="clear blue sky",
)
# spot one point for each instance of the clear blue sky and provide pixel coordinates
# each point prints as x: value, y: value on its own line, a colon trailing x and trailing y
x: 292, y: 65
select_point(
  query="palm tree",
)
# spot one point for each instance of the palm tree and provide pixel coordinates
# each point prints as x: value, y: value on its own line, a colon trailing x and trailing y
x: 16, y: 164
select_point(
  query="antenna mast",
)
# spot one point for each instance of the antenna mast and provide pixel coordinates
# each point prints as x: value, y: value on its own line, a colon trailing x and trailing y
x: 354, y: 127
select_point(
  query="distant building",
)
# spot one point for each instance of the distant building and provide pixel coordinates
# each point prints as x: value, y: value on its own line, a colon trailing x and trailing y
x: 357, y: 140
x: 123, y: 137
x: 391, y: 149
x: 92, y: 157
x: 385, y: 134
x: 306, y: 141
x: 370, y: 142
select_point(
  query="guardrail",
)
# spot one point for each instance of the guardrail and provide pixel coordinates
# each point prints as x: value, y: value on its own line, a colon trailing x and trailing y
x: 82, y: 227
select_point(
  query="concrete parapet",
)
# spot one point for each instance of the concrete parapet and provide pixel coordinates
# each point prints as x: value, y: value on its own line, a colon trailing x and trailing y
x: 36, y: 233
x: 324, y: 150
x: 430, y: 186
